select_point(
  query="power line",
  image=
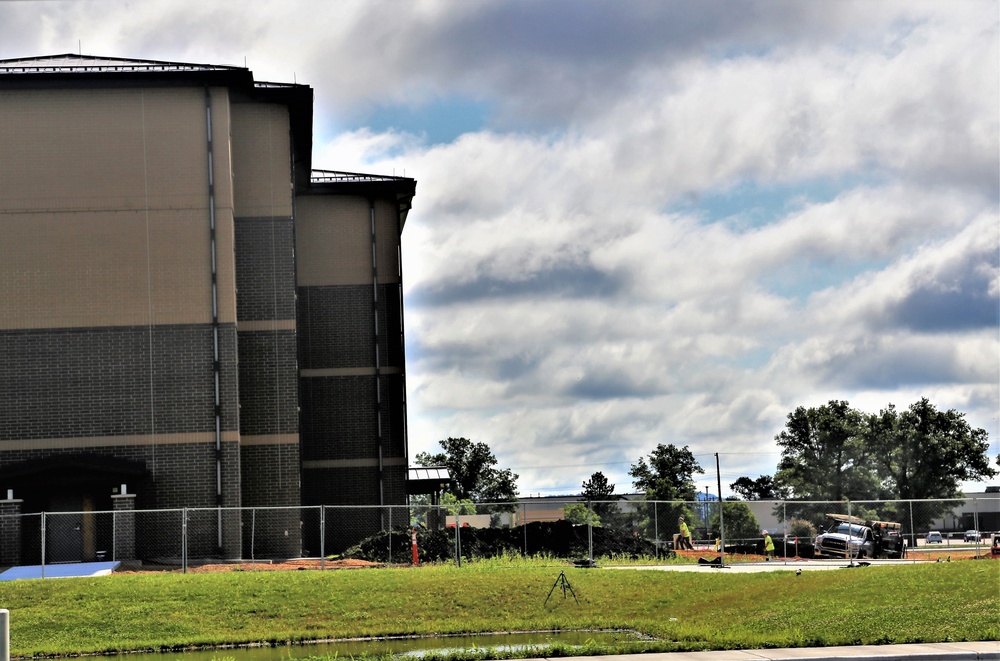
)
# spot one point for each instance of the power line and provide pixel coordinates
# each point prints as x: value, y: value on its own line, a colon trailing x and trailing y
x: 602, y: 463
x: 621, y: 463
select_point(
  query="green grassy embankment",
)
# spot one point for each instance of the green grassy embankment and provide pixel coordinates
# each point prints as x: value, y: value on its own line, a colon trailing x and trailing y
x: 935, y: 602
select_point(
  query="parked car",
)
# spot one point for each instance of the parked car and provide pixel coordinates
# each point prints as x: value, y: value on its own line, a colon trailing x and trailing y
x: 934, y: 537
x: 972, y: 536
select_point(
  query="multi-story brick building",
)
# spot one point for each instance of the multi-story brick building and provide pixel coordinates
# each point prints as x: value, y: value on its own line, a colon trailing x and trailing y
x: 186, y: 306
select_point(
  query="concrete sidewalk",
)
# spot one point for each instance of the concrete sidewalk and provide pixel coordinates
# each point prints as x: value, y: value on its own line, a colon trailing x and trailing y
x: 753, y: 567
x: 978, y: 651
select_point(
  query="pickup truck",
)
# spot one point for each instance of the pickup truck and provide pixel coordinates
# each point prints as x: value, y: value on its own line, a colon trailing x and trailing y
x: 853, y: 537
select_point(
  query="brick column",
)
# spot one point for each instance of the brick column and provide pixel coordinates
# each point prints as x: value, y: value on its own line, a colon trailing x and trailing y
x: 124, y: 513
x: 10, y: 531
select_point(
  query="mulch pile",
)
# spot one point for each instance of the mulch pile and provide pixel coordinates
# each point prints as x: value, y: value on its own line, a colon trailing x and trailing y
x: 289, y: 565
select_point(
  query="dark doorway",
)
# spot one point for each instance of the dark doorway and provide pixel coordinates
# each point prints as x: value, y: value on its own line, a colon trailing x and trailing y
x: 64, y: 529
x: 67, y: 503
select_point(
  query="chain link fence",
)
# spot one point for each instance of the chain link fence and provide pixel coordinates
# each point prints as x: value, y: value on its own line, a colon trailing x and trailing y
x: 627, y: 529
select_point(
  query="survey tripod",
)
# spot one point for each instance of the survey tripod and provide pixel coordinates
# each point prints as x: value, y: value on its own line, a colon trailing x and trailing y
x: 563, y: 583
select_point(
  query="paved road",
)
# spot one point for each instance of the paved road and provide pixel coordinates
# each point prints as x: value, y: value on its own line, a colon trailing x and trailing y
x: 776, y: 565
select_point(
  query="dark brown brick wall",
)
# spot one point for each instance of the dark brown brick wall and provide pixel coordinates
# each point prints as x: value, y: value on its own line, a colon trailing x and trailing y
x: 114, y: 381
x: 337, y: 328
x: 344, y: 417
x: 357, y: 486
x: 269, y: 385
x: 265, y: 268
x: 273, y: 470
x: 178, y: 474
x: 338, y: 418
x: 10, y: 533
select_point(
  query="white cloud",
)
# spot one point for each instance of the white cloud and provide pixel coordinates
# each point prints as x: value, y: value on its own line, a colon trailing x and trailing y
x: 573, y: 296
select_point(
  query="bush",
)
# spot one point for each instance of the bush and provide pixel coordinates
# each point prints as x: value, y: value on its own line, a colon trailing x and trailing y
x: 802, y: 529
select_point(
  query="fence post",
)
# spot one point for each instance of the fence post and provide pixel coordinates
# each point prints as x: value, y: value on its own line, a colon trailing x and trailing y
x: 722, y: 533
x: 590, y: 531
x: 184, y: 544
x: 850, y: 535
x: 656, y: 529
x: 322, y: 536
x: 253, y: 535
x: 784, y: 536
x: 4, y: 634
x: 975, y: 520
x: 722, y: 525
x: 458, y: 536
x: 43, y: 544
x: 390, y: 533
x: 524, y: 525
x: 913, y: 532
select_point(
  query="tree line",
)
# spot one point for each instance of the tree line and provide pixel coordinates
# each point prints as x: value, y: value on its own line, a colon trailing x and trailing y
x: 832, y: 452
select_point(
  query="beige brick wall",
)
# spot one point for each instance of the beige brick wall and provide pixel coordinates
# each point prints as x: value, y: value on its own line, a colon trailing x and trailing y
x: 104, y: 208
x: 333, y: 241
x: 262, y: 169
x: 387, y: 230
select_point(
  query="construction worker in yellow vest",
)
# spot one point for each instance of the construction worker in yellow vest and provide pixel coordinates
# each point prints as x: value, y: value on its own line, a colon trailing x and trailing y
x: 768, y: 546
x: 685, y: 535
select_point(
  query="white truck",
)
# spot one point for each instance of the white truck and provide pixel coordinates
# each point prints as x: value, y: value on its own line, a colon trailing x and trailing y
x: 852, y: 537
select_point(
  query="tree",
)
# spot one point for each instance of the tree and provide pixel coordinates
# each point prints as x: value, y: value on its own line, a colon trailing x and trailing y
x: 455, y: 506
x: 823, y: 455
x: 668, y: 475
x: 835, y: 452
x: 600, y: 495
x: 740, y: 522
x: 926, y: 453
x: 923, y: 453
x: 580, y: 514
x: 597, y: 487
x: 806, y: 530
x: 473, y: 471
x: 763, y: 488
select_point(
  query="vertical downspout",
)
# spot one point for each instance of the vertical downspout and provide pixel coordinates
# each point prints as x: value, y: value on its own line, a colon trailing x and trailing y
x: 217, y: 363
x: 378, y: 366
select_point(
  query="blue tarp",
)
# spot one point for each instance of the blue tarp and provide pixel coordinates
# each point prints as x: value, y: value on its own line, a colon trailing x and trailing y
x: 62, y: 570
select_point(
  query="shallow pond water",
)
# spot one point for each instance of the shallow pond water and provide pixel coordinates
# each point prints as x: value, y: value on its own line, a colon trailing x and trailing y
x: 406, y: 647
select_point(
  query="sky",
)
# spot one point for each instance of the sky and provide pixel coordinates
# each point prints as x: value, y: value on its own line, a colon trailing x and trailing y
x: 643, y: 222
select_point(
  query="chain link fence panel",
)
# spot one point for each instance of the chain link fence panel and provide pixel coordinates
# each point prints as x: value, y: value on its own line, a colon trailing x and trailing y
x: 614, y: 531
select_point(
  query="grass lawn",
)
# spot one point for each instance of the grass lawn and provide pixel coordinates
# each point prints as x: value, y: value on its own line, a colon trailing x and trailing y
x: 930, y: 602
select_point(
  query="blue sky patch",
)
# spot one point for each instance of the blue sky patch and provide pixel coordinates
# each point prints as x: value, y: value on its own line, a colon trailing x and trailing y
x: 799, y: 280
x: 441, y: 121
x: 749, y: 204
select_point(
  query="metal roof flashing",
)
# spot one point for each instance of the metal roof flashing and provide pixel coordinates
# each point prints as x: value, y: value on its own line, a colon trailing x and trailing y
x: 73, y: 63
